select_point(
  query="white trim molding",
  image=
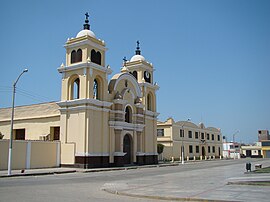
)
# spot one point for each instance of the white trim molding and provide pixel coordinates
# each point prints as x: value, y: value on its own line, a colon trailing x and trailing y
x: 91, y: 154
x: 82, y: 65
x: 119, y: 153
x: 120, y: 125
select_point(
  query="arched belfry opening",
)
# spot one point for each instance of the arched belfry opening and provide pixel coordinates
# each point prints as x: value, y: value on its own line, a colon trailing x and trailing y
x: 96, y: 57
x: 128, y: 114
x: 76, y: 89
x: 76, y: 56
x: 96, y: 91
x: 127, y: 149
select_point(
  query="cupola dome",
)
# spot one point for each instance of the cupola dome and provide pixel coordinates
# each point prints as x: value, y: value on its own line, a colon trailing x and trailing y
x: 137, y: 56
x: 86, y: 29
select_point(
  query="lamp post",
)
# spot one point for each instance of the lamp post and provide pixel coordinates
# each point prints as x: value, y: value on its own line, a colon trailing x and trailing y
x: 11, y: 124
x: 234, y: 143
x: 182, y: 147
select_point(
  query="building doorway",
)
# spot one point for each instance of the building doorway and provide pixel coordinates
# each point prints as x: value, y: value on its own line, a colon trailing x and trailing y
x: 203, y: 151
x: 127, y: 148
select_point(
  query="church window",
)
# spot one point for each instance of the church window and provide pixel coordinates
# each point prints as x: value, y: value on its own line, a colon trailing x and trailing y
x: 76, y: 56
x: 76, y: 89
x: 79, y: 55
x: 73, y: 56
x: 135, y: 74
x: 96, y: 57
x: 96, y: 90
x: 128, y: 115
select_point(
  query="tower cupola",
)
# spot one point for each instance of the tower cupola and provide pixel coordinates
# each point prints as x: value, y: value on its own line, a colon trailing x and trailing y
x: 86, y: 28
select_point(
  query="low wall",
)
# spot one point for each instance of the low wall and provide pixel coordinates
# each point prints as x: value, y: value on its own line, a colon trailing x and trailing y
x: 28, y: 154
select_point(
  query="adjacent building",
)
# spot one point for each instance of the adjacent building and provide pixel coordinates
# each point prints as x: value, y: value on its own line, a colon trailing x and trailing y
x: 264, y: 139
x: 197, y: 141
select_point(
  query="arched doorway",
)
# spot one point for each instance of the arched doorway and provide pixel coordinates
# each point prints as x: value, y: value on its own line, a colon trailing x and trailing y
x: 203, y: 151
x: 127, y: 148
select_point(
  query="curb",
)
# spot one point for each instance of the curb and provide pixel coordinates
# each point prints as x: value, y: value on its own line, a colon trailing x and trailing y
x: 88, y: 171
x: 168, y: 198
x: 38, y: 174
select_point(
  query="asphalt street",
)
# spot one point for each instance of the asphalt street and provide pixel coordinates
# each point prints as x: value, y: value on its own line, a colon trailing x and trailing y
x: 192, y: 181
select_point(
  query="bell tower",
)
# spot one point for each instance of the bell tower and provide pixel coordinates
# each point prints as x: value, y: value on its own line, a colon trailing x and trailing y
x: 84, y: 76
x: 84, y: 102
x: 143, y: 72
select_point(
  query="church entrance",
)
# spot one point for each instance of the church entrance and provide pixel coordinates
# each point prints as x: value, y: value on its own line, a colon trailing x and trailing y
x: 127, y: 148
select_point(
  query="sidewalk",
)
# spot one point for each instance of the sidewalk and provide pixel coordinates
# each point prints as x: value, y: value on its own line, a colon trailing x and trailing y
x: 64, y: 170
x: 215, y: 184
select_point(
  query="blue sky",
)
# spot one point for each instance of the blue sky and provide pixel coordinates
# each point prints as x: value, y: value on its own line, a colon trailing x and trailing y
x: 212, y: 58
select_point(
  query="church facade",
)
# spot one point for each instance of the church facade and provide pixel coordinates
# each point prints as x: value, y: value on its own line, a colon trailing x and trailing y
x: 102, y: 122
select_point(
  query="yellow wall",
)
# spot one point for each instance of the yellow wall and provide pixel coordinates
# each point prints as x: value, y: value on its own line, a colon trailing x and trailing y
x: 34, y: 127
x: 42, y: 154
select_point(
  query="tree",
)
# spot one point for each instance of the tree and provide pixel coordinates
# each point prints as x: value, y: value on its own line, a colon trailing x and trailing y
x: 160, y: 148
x: 1, y: 136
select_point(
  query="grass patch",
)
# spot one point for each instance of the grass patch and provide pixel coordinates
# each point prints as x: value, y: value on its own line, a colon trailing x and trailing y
x: 262, y: 170
x: 254, y: 183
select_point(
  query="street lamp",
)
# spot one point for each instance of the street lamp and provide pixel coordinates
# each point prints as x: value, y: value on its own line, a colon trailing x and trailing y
x: 11, y: 124
x: 182, y: 147
x: 234, y: 143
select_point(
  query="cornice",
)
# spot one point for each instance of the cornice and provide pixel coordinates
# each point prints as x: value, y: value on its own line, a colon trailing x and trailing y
x: 87, y: 101
x: 120, y: 125
x: 82, y: 65
x: 86, y: 40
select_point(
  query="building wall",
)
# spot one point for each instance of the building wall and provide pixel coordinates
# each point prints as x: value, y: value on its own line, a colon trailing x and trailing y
x: 173, y: 142
x: 37, y: 120
x: 30, y: 154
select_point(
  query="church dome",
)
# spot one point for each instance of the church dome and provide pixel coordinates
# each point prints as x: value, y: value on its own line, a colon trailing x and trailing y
x: 85, y: 32
x: 86, y: 29
x: 137, y: 57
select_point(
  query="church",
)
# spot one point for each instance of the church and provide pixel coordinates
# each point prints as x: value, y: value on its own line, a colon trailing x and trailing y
x: 99, y: 122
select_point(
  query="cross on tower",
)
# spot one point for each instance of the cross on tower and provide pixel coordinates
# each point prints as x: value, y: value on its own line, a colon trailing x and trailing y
x: 86, y: 25
x: 86, y: 15
x: 138, y: 51
x: 125, y: 61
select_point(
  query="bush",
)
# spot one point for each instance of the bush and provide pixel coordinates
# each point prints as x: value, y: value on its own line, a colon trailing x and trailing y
x: 160, y: 148
x: 1, y: 136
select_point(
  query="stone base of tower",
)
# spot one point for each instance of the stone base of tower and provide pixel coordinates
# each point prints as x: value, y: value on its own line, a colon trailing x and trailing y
x: 103, y: 161
x: 147, y: 159
x: 92, y: 161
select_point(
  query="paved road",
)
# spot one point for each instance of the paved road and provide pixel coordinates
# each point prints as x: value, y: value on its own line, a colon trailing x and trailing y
x: 199, y: 180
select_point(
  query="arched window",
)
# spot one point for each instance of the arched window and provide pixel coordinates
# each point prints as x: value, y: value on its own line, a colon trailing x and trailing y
x: 149, y: 102
x: 135, y: 74
x: 128, y: 115
x: 96, y: 90
x: 98, y: 58
x: 73, y: 56
x: 76, y: 89
x: 93, y: 56
x: 79, y: 55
